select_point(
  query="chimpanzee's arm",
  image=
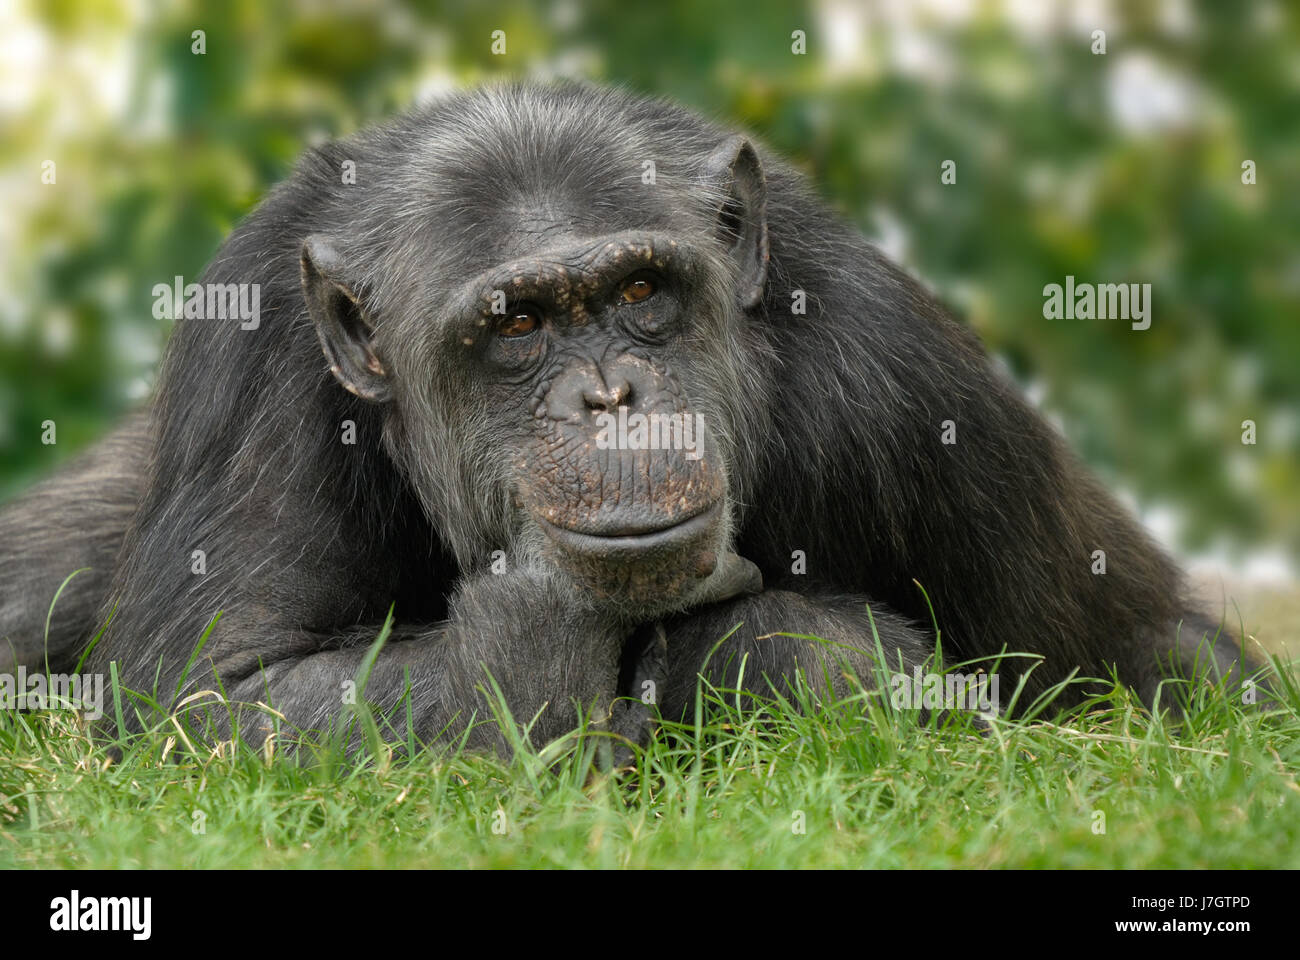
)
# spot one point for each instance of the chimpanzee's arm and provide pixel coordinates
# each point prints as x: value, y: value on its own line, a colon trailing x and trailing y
x: 770, y: 660
x: 544, y: 651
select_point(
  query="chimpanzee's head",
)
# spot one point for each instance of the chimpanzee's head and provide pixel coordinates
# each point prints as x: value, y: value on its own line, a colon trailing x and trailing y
x: 552, y: 315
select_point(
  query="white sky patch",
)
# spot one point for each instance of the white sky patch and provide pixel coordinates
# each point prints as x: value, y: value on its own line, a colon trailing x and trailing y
x: 434, y: 83
x: 1084, y: 16
x: 890, y: 233
x: 1164, y: 523
x: 1260, y: 564
x: 920, y: 54
x: 24, y: 51
x: 1263, y: 566
x: 1033, y: 19
x: 1036, y: 392
x: 843, y: 30
x: 138, y: 388
x: 93, y: 70
x: 1147, y: 96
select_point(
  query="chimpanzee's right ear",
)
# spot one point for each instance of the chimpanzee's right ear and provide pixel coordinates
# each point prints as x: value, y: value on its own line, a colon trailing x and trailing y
x: 737, y: 175
x: 345, y: 335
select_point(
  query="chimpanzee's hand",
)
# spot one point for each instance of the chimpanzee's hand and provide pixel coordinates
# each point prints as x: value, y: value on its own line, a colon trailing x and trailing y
x: 734, y: 576
x: 645, y: 658
x: 544, y: 648
x: 645, y: 670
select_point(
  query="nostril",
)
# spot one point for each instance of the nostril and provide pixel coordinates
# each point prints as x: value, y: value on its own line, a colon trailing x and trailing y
x: 608, y: 397
x: 622, y: 392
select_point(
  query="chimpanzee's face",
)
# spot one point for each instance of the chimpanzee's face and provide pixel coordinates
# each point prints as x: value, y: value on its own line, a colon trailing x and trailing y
x: 583, y: 354
x: 571, y: 397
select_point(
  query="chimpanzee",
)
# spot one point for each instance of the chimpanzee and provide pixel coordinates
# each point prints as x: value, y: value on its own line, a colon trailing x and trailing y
x: 575, y: 382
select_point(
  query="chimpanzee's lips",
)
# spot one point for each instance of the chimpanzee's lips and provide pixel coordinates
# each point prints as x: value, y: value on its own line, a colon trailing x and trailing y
x: 634, y: 540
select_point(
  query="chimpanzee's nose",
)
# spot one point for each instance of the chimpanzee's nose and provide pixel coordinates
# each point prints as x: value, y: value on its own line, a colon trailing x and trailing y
x: 586, y: 391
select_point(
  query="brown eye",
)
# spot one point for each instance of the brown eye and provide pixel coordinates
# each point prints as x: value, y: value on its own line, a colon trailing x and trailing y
x: 637, y: 289
x: 521, y: 322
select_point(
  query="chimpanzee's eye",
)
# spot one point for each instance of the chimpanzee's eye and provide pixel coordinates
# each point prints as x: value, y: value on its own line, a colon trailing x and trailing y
x: 520, y: 322
x: 638, y: 288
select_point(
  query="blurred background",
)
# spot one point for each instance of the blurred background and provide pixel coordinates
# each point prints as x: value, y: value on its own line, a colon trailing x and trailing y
x: 1114, y: 167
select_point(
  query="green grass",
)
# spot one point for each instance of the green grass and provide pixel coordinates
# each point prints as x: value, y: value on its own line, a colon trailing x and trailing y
x: 872, y: 787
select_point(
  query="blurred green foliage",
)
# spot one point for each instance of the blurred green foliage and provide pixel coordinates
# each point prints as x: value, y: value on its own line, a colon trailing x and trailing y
x: 1115, y: 168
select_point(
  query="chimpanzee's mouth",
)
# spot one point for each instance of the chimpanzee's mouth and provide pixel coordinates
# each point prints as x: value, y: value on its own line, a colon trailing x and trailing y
x: 634, y: 539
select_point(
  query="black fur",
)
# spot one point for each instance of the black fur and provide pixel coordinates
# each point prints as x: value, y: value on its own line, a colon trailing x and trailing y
x: 826, y: 429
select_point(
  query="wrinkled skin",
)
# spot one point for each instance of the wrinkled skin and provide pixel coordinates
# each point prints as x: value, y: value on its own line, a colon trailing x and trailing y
x: 626, y: 524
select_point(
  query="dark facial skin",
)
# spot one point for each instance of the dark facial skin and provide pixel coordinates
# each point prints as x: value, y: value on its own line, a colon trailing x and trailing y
x: 597, y: 331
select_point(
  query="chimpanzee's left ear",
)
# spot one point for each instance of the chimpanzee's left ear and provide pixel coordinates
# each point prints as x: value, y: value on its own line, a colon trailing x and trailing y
x: 742, y: 217
x: 345, y: 334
